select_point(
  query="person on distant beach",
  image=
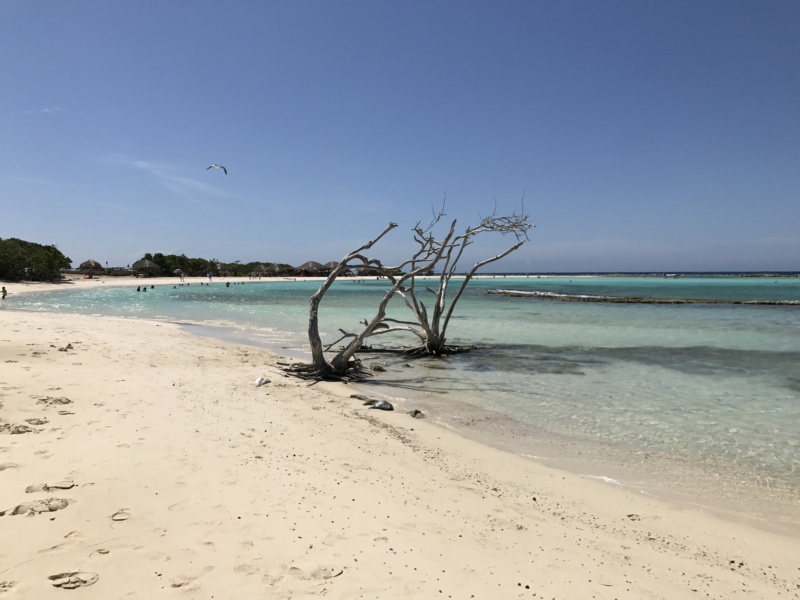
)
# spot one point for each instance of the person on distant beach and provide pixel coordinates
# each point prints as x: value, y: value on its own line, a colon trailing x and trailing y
x: 138, y: 288
x: 5, y: 293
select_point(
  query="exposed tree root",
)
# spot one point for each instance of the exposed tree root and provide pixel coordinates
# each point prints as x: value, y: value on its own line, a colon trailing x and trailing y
x: 423, y: 351
x: 354, y: 373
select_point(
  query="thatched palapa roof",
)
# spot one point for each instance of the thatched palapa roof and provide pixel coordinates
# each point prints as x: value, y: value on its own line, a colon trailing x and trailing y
x: 148, y: 266
x: 310, y: 265
x: 90, y: 265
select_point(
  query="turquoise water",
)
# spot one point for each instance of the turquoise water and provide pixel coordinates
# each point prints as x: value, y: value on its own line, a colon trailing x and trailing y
x: 698, y: 401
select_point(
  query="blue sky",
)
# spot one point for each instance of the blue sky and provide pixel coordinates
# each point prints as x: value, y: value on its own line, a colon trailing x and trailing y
x: 655, y: 136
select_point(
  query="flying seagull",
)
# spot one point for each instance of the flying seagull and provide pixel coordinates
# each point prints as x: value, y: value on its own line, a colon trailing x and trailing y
x: 217, y: 167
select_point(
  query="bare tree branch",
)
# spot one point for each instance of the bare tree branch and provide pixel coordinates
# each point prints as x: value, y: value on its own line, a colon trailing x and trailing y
x: 431, y: 252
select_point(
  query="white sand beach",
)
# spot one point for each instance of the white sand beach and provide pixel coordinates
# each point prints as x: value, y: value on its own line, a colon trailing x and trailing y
x: 140, y: 461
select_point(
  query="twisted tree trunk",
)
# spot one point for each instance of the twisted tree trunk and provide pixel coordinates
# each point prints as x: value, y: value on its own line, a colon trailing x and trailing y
x: 431, y: 329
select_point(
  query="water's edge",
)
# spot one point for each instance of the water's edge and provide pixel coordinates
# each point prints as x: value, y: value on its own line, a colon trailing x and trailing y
x: 695, y: 404
x: 777, y: 513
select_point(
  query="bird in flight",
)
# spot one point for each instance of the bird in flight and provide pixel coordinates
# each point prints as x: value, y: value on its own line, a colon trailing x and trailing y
x: 217, y: 167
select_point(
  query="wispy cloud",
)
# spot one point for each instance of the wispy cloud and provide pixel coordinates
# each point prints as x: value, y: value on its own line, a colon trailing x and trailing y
x: 170, y: 177
x: 50, y: 110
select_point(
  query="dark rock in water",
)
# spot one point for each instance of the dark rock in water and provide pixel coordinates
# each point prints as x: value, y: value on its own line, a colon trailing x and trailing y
x: 417, y: 414
x: 378, y: 368
x: 632, y: 299
x: 382, y: 405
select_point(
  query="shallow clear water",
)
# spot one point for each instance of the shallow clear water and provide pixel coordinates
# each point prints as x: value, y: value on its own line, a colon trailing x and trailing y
x: 702, y: 400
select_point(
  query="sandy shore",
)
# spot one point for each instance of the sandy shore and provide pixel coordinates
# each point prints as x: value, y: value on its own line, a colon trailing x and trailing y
x: 156, y: 468
x: 73, y: 282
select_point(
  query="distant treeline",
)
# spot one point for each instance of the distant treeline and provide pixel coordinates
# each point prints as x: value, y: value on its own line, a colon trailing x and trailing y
x: 168, y: 264
x: 21, y: 260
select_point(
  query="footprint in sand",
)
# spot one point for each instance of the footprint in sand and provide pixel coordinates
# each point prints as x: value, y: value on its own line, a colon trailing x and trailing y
x: 314, y: 572
x: 188, y: 582
x: 6, y: 586
x: 46, y: 487
x: 20, y: 429
x: 179, y: 582
x: 247, y: 568
x: 4, y: 466
x: 40, y: 506
x: 37, y: 421
x: 14, y: 429
x: 121, y: 515
x: 73, y: 579
x: 310, y: 572
x: 51, y: 400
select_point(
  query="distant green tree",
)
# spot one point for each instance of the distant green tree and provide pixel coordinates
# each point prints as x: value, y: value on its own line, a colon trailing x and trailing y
x: 198, y: 267
x: 21, y: 260
x: 163, y: 263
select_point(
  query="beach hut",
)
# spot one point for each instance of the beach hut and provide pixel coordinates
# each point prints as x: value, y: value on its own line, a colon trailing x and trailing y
x: 90, y: 265
x: 259, y: 271
x: 277, y: 269
x: 309, y: 267
x: 146, y: 267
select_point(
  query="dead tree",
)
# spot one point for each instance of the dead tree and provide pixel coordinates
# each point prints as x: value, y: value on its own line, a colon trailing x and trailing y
x: 428, y: 326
